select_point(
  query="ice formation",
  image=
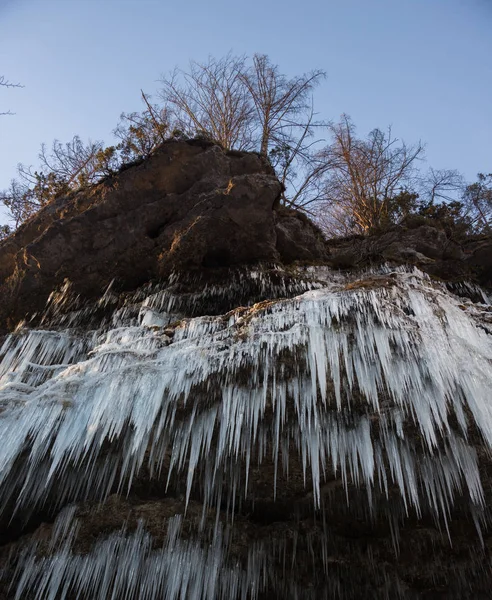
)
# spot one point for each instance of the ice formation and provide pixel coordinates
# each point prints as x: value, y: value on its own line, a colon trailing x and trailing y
x: 380, y: 382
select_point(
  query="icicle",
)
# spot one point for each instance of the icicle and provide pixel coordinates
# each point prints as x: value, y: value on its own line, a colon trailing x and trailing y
x: 339, y: 375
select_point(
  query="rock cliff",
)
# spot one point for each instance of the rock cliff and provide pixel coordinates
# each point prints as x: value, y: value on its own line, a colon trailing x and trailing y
x: 206, y: 400
x: 190, y: 206
x: 426, y: 245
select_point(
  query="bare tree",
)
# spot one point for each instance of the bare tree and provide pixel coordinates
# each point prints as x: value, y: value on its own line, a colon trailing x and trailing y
x: 211, y: 99
x: 364, y: 176
x: 252, y: 107
x: 300, y: 168
x: 284, y: 127
x: 282, y: 105
x: 64, y: 167
x: 5, y: 83
x: 77, y: 163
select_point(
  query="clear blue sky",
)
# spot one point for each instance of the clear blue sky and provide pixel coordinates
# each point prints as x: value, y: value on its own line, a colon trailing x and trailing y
x: 423, y: 66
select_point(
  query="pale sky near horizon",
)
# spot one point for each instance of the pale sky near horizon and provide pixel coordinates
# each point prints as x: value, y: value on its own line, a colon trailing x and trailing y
x: 423, y: 66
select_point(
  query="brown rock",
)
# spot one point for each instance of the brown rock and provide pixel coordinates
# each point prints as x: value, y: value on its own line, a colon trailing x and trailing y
x: 428, y: 248
x: 191, y: 205
x: 298, y: 238
x: 479, y: 257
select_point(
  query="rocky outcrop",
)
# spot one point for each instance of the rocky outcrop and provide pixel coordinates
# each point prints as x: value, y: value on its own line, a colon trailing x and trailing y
x: 479, y: 257
x: 194, y: 207
x: 428, y: 247
x: 298, y: 238
x: 190, y: 206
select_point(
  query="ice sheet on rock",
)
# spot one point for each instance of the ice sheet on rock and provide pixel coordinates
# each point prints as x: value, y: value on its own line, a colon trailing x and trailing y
x: 126, y: 565
x: 32, y: 357
x: 180, y: 296
x: 469, y: 290
x: 219, y: 563
x: 340, y: 375
x: 131, y: 565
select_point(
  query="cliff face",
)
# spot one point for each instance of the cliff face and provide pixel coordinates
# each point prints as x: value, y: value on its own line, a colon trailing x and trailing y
x: 190, y: 206
x: 196, y: 416
x: 429, y: 247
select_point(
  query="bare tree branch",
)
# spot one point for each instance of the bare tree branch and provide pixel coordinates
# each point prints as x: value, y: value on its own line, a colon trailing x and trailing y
x: 441, y: 184
x: 280, y: 103
x: 153, y: 116
x: 7, y: 84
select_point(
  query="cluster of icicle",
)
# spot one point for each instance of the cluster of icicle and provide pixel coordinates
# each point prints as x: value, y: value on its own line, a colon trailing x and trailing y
x: 127, y: 564
x: 335, y: 376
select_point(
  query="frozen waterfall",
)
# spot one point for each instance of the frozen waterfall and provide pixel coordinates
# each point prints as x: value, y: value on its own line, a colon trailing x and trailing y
x: 373, y: 388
